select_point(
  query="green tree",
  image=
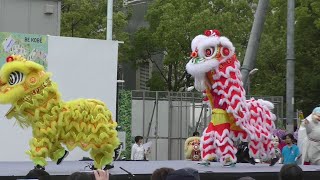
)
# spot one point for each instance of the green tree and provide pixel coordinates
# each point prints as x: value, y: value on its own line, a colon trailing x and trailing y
x: 174, y: 23
x: 307, y: 40
x: 87, y: 19
x: 156, y: 82
x: 270, y: 79
x: 124, y: 109
x: 271, y: 61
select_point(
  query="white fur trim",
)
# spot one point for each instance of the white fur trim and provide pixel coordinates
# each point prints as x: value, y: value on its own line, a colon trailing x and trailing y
x: 208, y: 148
x: 223, y: 142
x: 205, y: 134
x: 225, y: 42
x: 200, y: 69
x: 265, y: 103
x: 224, y: 134
x: 195, y: 42
x: 225, y: 85
x: 208, y: 141
x: 230, y: 148
x: 240, y: 136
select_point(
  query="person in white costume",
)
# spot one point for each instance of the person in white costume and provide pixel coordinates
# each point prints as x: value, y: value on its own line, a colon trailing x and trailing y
x: 309, y: 138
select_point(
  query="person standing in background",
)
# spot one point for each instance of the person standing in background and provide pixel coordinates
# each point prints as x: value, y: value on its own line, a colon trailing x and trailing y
x: 290, y: 152
x: 138, y: 152
x: 197, y: 134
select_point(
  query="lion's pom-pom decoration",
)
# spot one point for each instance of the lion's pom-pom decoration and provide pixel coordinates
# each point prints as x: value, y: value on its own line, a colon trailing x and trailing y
x: 192, y: 149
x: 36, y: 102
x: 216, y: 71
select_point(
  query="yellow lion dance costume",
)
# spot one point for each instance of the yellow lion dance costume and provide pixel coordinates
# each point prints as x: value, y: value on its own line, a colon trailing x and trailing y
x: 36, y: 102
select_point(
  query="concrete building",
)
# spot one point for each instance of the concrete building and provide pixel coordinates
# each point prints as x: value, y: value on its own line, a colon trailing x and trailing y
x: 30, y: 16
x: 136, y: 79
x: 143, y: 74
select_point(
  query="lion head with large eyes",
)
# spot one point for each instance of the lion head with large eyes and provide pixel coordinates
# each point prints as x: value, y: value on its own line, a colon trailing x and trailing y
x: 192, y: 149
x: 208, y: 52
x: 19, y: 77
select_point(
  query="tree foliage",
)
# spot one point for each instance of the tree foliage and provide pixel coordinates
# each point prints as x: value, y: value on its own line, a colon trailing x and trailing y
x: 271, y: 78
x: 307, y: 50
x: 87, y: 19
x: 174, y: 23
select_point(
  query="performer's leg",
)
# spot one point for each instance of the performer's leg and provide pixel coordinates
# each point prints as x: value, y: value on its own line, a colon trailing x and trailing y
x: 102, y: 156
x: 243, y: 155
x: 254, y: 147
x: 39, y: 150
x: 268, y: 151
x: 57, y: 152
x: 207, y: 145
x: 225, y: 147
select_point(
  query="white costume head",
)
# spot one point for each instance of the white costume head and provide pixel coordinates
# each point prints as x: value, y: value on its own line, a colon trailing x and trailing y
x: 316, y: 114
x: 275, y: 141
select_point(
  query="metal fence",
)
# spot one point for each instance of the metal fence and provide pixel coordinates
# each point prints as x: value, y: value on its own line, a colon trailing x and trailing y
x: 169, y: 118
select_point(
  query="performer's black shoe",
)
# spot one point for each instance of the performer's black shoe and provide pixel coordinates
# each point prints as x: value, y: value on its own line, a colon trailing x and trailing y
x: 205, y: 163
x: 38, y: 167
x: 274, y: 161
x: 252, y: 161
x: 109, y: 166
x: 93, y: 168
x: 230, y: 165
x: 62, y: 158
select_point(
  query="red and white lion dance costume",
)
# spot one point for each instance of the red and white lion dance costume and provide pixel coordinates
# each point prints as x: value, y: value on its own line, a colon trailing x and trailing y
x: 216, y: 71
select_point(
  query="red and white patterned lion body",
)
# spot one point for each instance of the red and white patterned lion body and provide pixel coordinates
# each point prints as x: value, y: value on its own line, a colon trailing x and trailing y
x: 216, y: 71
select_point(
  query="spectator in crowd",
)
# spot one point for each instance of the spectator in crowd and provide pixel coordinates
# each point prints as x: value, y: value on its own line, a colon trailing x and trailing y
x: 161, y: 174
x: 184, y: 174
x: 101, y: 175
x: 291, y: 172
x: 81, y: 176
x: 290, y: 152
x: 97, y: 175
x: 38, y: 174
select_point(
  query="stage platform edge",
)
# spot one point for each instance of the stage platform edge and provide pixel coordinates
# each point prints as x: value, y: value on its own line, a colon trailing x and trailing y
x: 143, y: 169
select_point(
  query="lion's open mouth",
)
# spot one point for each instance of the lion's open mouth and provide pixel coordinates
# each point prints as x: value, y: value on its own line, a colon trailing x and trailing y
x: 197, y: 60
x: 198, y: 67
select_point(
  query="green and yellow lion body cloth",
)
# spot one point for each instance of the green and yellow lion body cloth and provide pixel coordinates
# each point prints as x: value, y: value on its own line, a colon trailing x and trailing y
x: 36, y: 102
